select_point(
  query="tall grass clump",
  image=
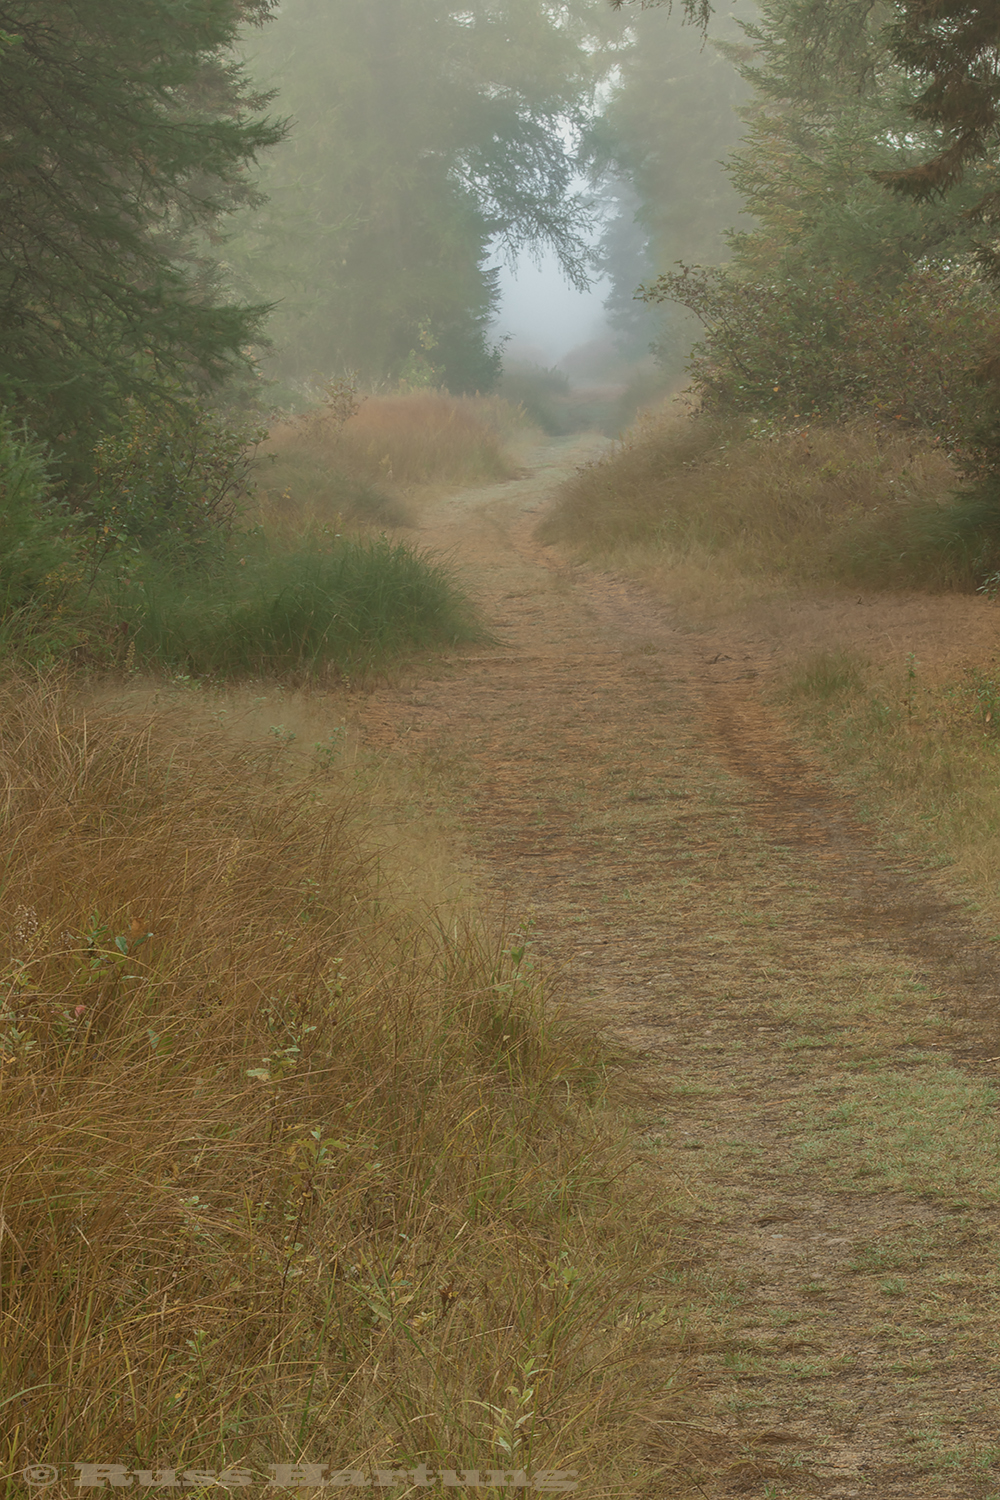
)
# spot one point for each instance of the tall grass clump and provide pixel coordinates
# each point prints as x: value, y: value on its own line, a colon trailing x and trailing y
x: 921, y: 748
x: 358, y: 455
x: 627, y: 495
x: 287, y: 1176
x: 544, y: 395
x: 861, y: 502
x: 354, y: 604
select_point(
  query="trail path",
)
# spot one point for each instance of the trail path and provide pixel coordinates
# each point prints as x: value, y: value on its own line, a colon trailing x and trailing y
x: 815, y: 1026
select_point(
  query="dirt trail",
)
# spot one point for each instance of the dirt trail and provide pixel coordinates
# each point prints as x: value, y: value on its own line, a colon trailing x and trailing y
x: 795, y: 1000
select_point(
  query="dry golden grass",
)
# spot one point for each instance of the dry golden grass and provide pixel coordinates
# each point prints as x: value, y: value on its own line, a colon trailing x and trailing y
x: 288, y: 1174
x: 856, y: 502
x: 330, y: 467
x: 427, y: 436
x: 922, y: 747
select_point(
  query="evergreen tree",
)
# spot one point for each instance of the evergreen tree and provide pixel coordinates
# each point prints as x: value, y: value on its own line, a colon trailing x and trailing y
x: 127, y: 131
x: 951, y: 50
x: 830, y: 115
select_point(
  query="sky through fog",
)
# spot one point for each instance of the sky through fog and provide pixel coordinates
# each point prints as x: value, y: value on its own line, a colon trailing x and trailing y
x: 542, y: 312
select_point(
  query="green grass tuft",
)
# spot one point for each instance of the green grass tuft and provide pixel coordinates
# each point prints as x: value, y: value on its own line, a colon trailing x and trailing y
x: 827, y: 675
x: 355, y: 606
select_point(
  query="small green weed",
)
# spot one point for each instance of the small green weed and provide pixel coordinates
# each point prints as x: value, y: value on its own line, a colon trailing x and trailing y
x: 986, y: 699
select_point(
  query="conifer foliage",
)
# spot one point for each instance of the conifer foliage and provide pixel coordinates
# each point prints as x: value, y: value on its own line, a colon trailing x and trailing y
x: 846, y: 299
x: 952, y: 48
x: 127, y: 131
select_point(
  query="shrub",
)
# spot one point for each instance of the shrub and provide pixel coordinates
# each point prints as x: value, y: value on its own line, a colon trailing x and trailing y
x: 154, y: 567
x: 35, y: 555
x: 168, y: 479
x: 829, y: 347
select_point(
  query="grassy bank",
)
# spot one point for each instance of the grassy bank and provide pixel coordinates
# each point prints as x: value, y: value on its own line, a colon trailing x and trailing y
x: 324, y: 607
x: 346, y: 604
x: 196, y: 552
x: 290, y: 1174
x: 859, y: 504
x: 921, y: 746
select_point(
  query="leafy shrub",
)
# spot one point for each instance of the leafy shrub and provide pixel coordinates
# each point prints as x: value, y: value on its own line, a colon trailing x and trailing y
x: 830, y: 347
x: 36, y: 558
x: 168, y: 479
x: 826, y: 347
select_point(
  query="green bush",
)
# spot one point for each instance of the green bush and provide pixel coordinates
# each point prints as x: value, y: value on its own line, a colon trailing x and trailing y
x: 919, y: 356
x: 827, y: 346
x: 36, y: 557
x: 151, y: 568
x: 167, y: 480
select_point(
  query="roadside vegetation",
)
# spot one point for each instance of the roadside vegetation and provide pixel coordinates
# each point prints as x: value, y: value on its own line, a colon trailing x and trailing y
x: 293, y: 1168
x: 783, y: 505
x: 360, y: 455
x: 206, y: 547
x: 295, y: 1165
x: 845, y: 383
x: 300, y: 1159
x: 920, y: 745
x: 840, y: 426
x: 271, y: 1125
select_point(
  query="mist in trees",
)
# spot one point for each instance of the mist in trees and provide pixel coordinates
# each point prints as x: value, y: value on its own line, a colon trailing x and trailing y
x: 668, y: 123
x: 334, y: 185
x: 865, y: 282
x: 427, y: 141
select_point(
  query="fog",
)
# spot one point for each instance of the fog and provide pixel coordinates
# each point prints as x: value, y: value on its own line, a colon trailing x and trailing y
x: 432, y: 202
x: 541, y: 316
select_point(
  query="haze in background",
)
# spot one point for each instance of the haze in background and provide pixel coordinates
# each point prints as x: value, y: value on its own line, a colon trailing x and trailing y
x: 430, y: 143
x: 543, y: 315
x: 424, y: 135
x: 669, y: 120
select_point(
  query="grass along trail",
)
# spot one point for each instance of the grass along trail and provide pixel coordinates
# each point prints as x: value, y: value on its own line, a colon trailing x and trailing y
x: 810, y: 1024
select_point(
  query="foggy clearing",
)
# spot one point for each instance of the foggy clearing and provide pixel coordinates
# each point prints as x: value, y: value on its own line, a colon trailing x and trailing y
x: 500, y: 836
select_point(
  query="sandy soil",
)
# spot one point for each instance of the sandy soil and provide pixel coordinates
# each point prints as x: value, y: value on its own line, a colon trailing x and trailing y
x: 769, y: 974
